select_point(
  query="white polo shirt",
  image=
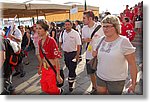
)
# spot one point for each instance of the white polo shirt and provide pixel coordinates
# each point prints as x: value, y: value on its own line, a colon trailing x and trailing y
x: 86, y: 33
x: 70, y: 40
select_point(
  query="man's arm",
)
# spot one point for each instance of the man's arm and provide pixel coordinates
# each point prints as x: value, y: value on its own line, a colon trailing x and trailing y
x: 15, y: 38
x: 86, y: 40
x: 78, y: 52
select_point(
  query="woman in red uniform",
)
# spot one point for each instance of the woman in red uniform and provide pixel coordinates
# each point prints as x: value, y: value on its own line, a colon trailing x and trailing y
x: 48, y: 76
x: 127, y: 29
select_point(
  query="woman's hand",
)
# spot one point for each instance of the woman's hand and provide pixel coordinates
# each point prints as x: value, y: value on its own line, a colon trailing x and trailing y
x: 94, y: 53
x: 59, y: 79
x: 39, y: 71
x: 131, y: 88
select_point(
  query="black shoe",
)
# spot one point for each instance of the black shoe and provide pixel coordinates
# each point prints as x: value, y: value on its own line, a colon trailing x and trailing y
x: 61, y: 91
x: 23, y: 74
x: 93, y: 92
x: 16, y: 73
x: 70, y: 89
x: 11, y: 88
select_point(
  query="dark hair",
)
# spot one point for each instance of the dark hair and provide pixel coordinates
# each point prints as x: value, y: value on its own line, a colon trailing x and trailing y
x: 68, y: 21
x: 77, y: 21
x: 127, y: 5
x: 96, y: 18
x: 43, y: 24
x: 89, y: 14
x: 107, y: 13
x: 53, y: 24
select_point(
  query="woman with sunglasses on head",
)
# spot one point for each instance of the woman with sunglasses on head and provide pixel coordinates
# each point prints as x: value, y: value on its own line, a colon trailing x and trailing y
x: 114, y: 55
x: 48, y: 46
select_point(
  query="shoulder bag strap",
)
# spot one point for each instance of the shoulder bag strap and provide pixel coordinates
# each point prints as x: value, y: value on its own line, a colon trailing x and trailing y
x: 42, y: 50
x: 62, y: 35
x: 95, y: 30
x: 100, y: 43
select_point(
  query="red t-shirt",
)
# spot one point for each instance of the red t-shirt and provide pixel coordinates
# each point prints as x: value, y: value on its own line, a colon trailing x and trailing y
x: 129, y: 32
x: 135, y: 11
x: 50, y: 48
x: 127, y: 12
x: 131, y: 16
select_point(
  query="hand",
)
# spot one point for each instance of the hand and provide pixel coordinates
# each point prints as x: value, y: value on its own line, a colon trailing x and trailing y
x: 39, y: 71
x: 87, y: 39
x: 10, y: 36
x: 27, y: 46
x: 77, y: 58
x: 131, y: 88
x: 94, y: 53
x: 59, y: 79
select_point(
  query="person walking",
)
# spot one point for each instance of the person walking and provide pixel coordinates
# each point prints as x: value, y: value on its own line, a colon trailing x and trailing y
x: 115, y: 55
x: 17, y: 37
x: 48, y: 50
x: 53, y: 31
x: 25, y: 43
x: 36, y: 39
x: 89, y: 27
x: 70, y: 43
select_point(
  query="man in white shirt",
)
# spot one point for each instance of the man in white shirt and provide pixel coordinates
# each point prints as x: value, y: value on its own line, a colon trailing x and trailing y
x: 70, y: 42
x: 90, y: 26
x: 16, y: 36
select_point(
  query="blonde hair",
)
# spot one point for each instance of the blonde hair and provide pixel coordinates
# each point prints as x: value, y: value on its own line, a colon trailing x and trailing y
x: 112, y: 19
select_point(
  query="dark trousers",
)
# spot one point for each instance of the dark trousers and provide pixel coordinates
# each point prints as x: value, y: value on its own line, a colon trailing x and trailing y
x: 68, y: 57
x: 20, y: 68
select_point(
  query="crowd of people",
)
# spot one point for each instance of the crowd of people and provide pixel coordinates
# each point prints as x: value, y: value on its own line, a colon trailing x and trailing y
x: 113, y: 33
x: 132, y: 20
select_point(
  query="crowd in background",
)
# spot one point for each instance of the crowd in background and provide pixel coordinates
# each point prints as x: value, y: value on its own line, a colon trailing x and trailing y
x: 131, y: 23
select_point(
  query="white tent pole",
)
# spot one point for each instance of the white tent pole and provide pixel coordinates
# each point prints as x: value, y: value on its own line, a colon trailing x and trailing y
x: 18, y: 19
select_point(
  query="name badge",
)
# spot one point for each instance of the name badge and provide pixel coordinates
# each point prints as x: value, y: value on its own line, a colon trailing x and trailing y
x: 89, y: 48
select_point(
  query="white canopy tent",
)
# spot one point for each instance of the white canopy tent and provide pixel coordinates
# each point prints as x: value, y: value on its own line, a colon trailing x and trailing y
x: 10, y: 9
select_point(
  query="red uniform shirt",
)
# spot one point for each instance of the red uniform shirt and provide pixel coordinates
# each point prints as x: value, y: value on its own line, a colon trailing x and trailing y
x: 48, y: 78
x: 135, y: 11
x: 50, y: 48
x: 131, y: 16
x: 129, y: 31
x: 127, y: 12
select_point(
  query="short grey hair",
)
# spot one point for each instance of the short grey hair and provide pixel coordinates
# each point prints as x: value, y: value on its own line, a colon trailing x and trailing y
x: 112, y: 19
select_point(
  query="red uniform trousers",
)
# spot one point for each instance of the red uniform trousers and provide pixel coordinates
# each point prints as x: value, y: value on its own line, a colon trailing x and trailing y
x: 48, y: 82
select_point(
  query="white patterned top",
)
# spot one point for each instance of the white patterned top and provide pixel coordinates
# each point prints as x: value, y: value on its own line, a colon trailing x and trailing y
x: 112, y: 64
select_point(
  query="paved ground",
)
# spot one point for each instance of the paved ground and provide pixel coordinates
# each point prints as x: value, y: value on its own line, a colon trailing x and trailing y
x: 29, y: 85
